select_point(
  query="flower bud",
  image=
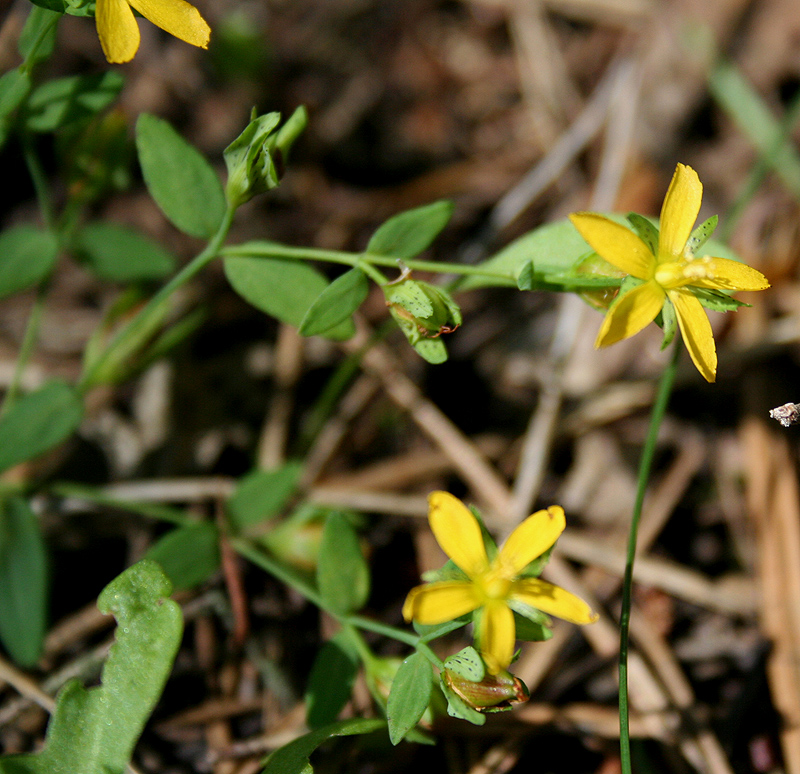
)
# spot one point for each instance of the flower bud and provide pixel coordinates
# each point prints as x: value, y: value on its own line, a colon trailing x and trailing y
x: 255, y: 158
x: 421, y: 309
x: 494, y: 693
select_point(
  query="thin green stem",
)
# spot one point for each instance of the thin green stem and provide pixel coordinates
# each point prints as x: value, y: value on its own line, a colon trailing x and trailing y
x: 295, y: 581
x: 39, y: 180
x: 276, y: 250
x: 645, y: 466
x: 30, y: 59
x: 140, y: 323
x: 26, y: 350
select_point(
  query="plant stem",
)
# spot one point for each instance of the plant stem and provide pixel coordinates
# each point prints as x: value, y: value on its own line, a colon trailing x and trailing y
x: 26, y: 350
x: 645, y: 466
x: 140, y: 323
x: 292, y: 579
x: 276, y: 250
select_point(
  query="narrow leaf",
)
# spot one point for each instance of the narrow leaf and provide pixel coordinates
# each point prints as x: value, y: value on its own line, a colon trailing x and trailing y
x: 342, y: 572
x: 336, y: 303
x: 37, y: 422
x: 750, y: 113
x: 330, y: 683
x: 409, y: 233
x: 281, y: 288
x: 23, y: 582
x: 645, y: 230
x: 409, y: 697
x: 27, y: 256
x: 702, y: 234
x: 94, y: 731
x: 180, y: 180
x: 120, y: 254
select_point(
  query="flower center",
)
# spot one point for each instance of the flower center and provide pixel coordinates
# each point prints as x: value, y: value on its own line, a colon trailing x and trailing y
x: 493, y: 585
x: 674, y: 274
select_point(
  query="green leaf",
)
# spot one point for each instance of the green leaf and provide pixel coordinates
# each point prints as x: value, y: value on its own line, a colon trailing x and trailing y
x: 293, y: 757
x: 14, y: 86
x: 189, y: 555
x: 409, y: 233
x: 645, y: 229
x: 180, y: 180
x: 23, y: 582
x: 262, y: 495
x: 38, y: 421
x: 467, y: 663
x: 120, y: 254
x: 63, y: 101
x: 336, y: 303
x: 94, y: 731
x: 701, y: 234
x: 281, y: 288
x: 27, y: 256
x: 342, y: 572
x: 330, y: 683
x: 40, y: 28
x: 750, y: 113
x: 409, y: 697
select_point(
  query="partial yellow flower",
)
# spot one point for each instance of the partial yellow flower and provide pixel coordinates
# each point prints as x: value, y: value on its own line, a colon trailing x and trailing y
x: 493, y: 586
x: 669, y: 273
x: 119, y: 32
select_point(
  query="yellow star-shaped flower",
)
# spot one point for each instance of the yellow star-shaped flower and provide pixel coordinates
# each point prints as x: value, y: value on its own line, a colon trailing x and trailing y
x: 668, y: 274
x: 119, y: 32
x: 494, y: 587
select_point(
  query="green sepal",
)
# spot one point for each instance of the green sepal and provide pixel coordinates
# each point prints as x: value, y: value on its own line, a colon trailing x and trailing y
x: 645, y: 229
x: 701, y: 235
x: 668, y: 320
x: 468, y: 664
x: 531, y: 631
x: 716, y: 300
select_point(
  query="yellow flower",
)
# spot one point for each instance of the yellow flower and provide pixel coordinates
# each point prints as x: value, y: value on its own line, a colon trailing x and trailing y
x: 493, y: 586
x: 119, y: 32
x: 668, y: 274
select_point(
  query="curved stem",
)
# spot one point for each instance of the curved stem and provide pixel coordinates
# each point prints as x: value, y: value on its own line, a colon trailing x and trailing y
x: 645, y: 466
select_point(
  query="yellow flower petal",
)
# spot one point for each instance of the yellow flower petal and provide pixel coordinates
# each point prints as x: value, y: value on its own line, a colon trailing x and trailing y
x: 552, y: 600
x: 531, y: 539
x: 496, y: 636
x: 696, y: 332
x: 617, y: 244
x: 117, y: 30
x: 176, y: 17
x: 436, y: 603
x: 630, y: 313
x: 725, y: 274
x: 458, y: 533
x: 679, y: 211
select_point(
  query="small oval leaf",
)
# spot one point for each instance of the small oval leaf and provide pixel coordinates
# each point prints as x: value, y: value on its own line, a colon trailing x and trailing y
x: 409, y: 697
x: 342, y: 572
x: 179, y: 178
x: 336, y: 303
x: 281, y: 288
x: 23, y: 582
x: 27, y: 256
x: 409, y: 233
x: 37, y: 422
